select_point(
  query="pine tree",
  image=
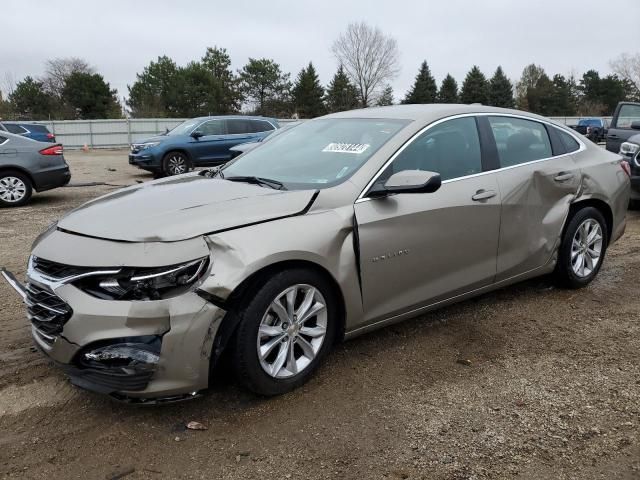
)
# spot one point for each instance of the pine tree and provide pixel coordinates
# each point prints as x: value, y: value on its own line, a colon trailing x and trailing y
x: 475, y: 88
x: 341, y: 94
x: 386, y: 98
x: 448, y: 90
x: 308, y: 94
x: 424, y: 88
x: 500, y: 90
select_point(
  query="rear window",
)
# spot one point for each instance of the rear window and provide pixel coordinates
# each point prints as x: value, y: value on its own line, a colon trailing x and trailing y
x: 590, y: 122
x: 262, y: 126
x: 13, y: 128
x: 38, y: 128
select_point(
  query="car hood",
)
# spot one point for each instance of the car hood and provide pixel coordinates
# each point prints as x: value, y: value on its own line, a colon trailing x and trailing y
x: 182, y: 207
x: 158, y: 138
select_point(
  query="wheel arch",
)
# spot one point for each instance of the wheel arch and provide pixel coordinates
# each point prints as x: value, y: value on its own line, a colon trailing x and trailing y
x: 230, y: 321
x: 600, y: 205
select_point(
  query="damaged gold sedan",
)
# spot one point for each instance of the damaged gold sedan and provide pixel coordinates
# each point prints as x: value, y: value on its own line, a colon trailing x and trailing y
x: 344, y: 224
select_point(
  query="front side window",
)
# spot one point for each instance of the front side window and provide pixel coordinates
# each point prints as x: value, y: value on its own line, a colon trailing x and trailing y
x: 520, y: 141
x: 451, y: 148
x: 212, y: 127
x: 317, y: 153
x: 627, y: 115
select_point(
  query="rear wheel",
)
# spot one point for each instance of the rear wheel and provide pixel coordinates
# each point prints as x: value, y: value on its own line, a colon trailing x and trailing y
x: 15, y: 189
x: 175, y: 163
x: 284, y: 332
x: 583, y: 247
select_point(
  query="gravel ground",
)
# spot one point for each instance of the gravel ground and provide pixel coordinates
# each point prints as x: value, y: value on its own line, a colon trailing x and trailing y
x: 526, y: 382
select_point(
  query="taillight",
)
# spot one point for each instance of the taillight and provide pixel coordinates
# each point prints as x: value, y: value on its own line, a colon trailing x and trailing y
x: 55, y: 150
x: 51, y: 136
x: 625, y: 166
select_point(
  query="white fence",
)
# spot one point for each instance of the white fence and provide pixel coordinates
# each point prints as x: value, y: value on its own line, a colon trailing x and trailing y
x: 120, y: 133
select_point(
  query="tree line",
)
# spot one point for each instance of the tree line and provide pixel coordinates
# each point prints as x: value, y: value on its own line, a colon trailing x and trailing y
x: 367, y: 59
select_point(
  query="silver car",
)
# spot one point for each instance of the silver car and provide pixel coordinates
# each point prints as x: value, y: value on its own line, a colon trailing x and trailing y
x: 344, y: 224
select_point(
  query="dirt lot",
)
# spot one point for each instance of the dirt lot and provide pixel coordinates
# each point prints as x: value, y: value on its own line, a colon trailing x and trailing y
x: 552, y: 389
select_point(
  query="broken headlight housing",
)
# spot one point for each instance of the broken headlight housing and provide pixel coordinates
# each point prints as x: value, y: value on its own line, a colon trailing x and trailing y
x: 134, y: 283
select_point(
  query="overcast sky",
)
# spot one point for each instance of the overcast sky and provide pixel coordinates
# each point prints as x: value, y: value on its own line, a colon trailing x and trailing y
x: 120, y: 37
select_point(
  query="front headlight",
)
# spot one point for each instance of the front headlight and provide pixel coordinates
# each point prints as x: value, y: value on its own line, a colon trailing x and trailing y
x: 144, y: 146
x: 145, y: 283
x: 629, y: 149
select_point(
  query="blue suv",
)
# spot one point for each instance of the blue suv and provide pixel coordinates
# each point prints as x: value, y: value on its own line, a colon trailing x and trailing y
x: 203, y: 141
x: 30, y: 130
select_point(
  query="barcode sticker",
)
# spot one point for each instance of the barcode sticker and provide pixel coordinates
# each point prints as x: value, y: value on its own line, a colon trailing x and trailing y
x: 356, y: 148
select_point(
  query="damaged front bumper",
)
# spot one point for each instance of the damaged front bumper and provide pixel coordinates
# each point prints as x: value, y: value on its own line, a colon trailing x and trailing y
x: 138, y: 351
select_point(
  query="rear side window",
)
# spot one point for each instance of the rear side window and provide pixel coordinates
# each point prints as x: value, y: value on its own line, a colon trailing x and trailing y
x: 627, y: 115
x: 17, y: 129
x: 520, y: 141
x: 570, y: 143
x: 3, y: 140
x: 451, y: 148
x: 237, y: 126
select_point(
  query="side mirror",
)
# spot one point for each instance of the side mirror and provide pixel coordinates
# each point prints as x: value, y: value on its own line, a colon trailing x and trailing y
x: 408, y: 181
x: 635, y: 125
x: 197, y: 134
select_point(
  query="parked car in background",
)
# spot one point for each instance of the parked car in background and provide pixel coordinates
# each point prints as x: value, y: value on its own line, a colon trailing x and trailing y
x: 595, y: 129
x: 247, y: 147
x: 30, y: 130
x: 27, y: 165
x: 630, y: 149
x: 198, y: 142
x: 624, y: 124
x: 344, y: 224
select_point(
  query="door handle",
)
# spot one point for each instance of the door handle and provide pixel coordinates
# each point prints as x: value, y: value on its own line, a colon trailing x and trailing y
x: 483, y: 195
x: 563, y: 176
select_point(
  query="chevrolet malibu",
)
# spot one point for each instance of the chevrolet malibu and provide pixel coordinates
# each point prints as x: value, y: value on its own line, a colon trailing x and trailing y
x: 347, y: 223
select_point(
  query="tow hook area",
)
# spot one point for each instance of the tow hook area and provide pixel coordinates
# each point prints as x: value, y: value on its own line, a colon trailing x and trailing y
x: 14, y: 283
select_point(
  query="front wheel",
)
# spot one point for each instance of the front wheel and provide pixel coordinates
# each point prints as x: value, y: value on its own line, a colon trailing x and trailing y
x: 583, y: 247
x: 175, y: 163
x: 284, y: 332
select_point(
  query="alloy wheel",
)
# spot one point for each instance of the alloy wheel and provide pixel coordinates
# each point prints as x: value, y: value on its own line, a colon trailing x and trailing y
x: 292, y: 331
x: 177, y: 164
x: 586, y: 248
x: 12, y: 189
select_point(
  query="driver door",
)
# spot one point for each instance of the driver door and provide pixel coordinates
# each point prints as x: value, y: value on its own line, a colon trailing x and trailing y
x: 210, y: 148
x: 420, y: 248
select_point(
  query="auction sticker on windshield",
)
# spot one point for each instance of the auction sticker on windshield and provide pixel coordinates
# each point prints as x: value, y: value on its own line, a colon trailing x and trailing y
x: 356, y: 148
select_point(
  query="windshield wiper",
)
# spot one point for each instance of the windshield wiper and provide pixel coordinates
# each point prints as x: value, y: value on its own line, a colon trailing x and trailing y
x: 266, y: 182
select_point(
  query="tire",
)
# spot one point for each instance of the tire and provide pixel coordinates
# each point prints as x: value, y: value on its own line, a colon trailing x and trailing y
x: 175, y: 163
x: 15, y: 189
x: 283, y: 333
x: 577, y: 264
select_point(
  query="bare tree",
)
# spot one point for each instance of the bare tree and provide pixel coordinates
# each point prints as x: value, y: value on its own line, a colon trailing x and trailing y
x: 627, y: 67
x: 369, y: 58
x: 8, y: 84
x: 58, y: 70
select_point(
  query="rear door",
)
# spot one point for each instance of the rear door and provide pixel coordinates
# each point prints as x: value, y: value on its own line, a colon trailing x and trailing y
x: 419, y: 248
x: 537, y: 181
x: 211, y: 147
x: 620, y: 129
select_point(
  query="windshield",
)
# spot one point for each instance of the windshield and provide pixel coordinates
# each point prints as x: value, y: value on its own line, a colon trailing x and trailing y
x: 318, y: 153
x: 184, y: 128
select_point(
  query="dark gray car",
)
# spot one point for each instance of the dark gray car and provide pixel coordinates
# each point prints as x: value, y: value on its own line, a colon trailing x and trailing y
x: 27, y: 165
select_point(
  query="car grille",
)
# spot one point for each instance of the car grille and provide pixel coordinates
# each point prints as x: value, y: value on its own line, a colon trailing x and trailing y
x: 48, y: 312
x: 57, y: 270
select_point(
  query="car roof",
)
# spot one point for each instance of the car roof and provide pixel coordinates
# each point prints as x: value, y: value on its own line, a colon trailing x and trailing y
x: 233, y: 117
x: 428, y: 112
